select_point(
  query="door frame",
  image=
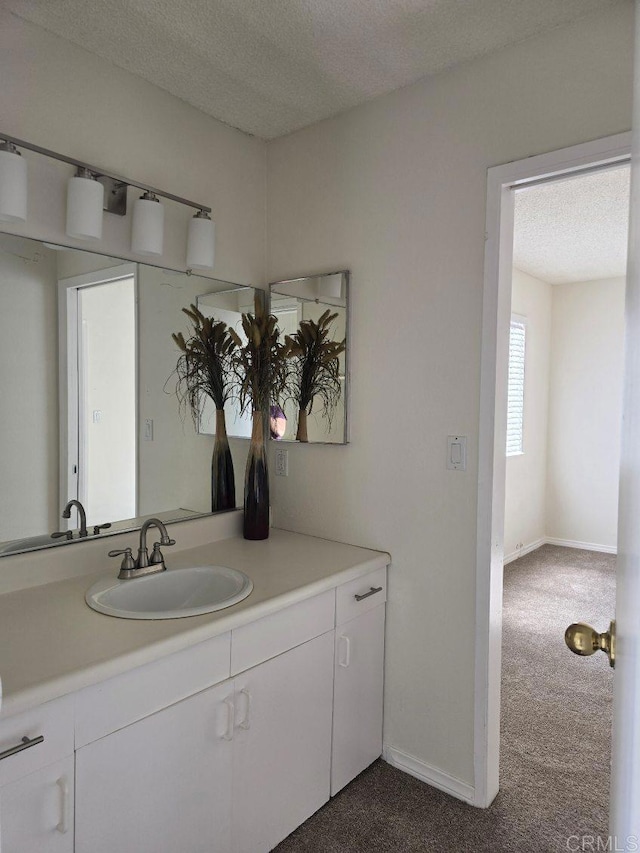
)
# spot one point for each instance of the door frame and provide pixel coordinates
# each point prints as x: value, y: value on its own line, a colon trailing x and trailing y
x: 71, y: 452
x: 496, y: 312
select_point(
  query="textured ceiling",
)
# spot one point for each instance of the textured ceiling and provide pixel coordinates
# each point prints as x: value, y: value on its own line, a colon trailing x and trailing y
x: 271, y: 66
x: 574, y: 230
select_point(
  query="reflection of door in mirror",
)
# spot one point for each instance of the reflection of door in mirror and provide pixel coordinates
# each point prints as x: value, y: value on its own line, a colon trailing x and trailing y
x: 98, y: 437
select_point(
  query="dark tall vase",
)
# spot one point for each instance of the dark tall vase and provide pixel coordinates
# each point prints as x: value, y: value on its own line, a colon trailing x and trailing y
x: 256, y: 484
x: 223, y: 483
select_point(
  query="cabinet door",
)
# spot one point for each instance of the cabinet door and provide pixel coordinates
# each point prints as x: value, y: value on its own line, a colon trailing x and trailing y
x: 282, y: 744
x: 162, y: 784
x: 358, y: 696
x: 36, y: 812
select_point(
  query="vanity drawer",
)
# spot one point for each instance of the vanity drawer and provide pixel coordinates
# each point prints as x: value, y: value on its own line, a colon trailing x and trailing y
x: 124, y: 699
x: 53, y: 722
x: 358, y: 596
x: 277, y: 633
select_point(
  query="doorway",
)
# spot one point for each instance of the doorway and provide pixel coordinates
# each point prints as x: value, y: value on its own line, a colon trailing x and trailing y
x: 98, y: 447
x: 564, y: 418
x: 502, y: 181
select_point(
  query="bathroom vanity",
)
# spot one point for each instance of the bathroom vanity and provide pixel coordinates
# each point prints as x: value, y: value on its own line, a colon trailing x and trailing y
x: 221, y: 732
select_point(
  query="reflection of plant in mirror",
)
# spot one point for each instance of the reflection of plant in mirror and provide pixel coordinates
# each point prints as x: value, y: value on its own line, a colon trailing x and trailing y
x: 260, y: 365
x: 205, y: 369
x: 316, y: 369
x: 261, y: 371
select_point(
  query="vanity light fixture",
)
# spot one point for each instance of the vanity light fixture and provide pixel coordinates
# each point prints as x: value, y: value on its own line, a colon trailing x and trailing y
x: 201, y: 242
x: 92, y: 191
x: 85, y: 200
x: 13, y: 184
x: 147, y: 232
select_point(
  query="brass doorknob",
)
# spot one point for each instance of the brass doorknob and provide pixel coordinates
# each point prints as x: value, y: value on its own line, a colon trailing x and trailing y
x: 584, y: 640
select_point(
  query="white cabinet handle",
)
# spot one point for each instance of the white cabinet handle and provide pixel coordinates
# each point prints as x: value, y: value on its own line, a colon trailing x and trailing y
x: 245, y: 723
x: 345, y: 660
x: 63, y: 785
x: 231, y: 713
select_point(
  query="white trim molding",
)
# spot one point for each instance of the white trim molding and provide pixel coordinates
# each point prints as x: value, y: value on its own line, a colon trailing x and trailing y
x: 526, y: 549
x: 563, y: 543
x: 431, y: 775
x: 584, y: 546
x: 496, y: 313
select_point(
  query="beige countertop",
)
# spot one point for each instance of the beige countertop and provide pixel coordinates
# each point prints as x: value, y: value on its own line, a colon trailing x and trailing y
x: 52, y: 643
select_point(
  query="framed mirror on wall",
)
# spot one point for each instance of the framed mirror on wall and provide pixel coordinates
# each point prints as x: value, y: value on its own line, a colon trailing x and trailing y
x: 313, y: 315
x: 87, y: 383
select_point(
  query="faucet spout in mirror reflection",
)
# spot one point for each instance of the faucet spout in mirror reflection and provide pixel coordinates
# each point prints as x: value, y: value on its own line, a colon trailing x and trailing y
x: 66, y: 513
x: 144, y: 565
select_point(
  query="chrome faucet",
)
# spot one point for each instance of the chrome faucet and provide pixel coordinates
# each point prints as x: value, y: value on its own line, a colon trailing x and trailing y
x: 66, y: 513
x: 145, y: 564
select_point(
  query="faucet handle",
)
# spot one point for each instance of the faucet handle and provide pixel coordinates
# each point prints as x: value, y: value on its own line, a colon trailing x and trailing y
x: 98, y: 527
x: 157, y: 558
x: 127, y: 561
x: 68, y: 534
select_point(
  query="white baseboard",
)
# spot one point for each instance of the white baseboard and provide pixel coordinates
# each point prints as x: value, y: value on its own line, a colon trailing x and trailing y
x: 527, y: 549
x: 585, y: 546
x: 430, y: 775
x: 565, y: 543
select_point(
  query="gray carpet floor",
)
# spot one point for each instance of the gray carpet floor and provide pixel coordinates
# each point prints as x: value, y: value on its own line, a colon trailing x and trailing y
x: 556, y: 732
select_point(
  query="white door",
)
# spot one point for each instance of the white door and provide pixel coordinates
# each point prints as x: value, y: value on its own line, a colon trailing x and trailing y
x: 357, y: 702
x: 282, y: 744
x: 36, y: 812
x: 162, y: 784
x: 625, y: 779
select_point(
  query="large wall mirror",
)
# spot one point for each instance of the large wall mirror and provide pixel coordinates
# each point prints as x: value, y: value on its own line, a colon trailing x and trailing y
x: 87, y: 383
x: 314, y: 312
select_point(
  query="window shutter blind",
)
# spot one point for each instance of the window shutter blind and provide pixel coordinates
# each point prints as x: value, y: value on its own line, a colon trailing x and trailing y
x: 515, y: 405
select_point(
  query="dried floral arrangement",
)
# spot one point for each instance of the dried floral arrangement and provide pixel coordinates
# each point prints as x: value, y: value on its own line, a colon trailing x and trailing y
x: 260, y: 365
x: 315, y: 369
x: 205, y: 368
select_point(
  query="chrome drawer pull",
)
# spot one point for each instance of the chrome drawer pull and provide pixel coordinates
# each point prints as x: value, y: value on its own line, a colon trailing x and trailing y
x: 26, y: 743
x: 372, y: 591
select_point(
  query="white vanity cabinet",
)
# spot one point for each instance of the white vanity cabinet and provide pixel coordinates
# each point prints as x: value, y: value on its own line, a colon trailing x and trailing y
x: 37, y: 780
x: 224, y: 746
x: 36, y: 812
x: 161, y: 784
x: 282, y: 744
x: 359, y: 677
x: 236, y: 767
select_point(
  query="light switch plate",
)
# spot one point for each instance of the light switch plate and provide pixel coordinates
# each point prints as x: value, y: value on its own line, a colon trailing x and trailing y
x: 457, y: 452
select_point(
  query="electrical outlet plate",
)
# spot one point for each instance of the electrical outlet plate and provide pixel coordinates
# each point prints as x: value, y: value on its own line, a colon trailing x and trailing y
x: 282, y: 462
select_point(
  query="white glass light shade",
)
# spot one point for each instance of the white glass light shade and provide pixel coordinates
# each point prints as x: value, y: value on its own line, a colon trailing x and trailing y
x: 147, y: 232
x: 85, y: 198
x: 13, y: 187
x: 201, y: 243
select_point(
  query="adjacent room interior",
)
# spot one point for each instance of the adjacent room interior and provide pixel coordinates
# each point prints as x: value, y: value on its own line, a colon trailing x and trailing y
x: 564, y: 416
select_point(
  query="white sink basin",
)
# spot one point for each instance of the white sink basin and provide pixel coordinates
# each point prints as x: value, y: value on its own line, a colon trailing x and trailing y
x: 171, y: 594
